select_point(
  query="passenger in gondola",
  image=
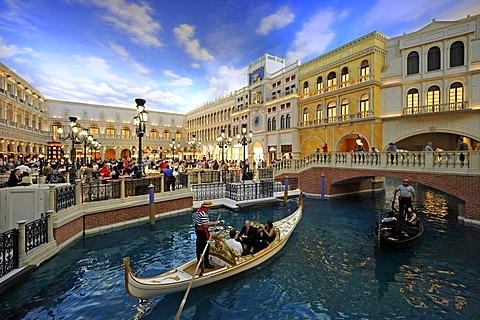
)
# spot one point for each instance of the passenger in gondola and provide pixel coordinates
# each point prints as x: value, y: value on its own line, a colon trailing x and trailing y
x: 233, y: 243
x: 269, y: 231
x: 389, y: 218
x: 411, y: 217
x: 245, y: 237
x: 258, y: 240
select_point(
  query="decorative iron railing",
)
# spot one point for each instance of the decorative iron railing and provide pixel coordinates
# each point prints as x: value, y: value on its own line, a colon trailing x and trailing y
x: 265, y: 173
x: 36, y: 233
x: 8, y: 251
x: 64, y: 197
x: 208, y: 191
x: 249, y: 191
x: 285, y: 183
x: 101, y: 190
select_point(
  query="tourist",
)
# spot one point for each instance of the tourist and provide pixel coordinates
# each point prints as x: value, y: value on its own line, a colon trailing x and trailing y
x: 234, y: 244
x: 462, y: 146
x: 411, y: 217
x: 15, y: 178
x: 258, y: 241
x: 245, y: 236
x: 429, y: 147
x: 269, y: 234
x: 202, y: 222
x: 389, y: 218
x: 407, y: 195
x: 325, y: 148
x: 168, y: 172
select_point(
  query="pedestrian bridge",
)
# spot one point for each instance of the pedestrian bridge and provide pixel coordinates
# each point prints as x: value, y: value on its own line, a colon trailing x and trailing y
x: 453, y: 172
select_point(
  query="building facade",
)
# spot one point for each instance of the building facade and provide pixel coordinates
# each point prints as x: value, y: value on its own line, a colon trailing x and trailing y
x: 408, y: 90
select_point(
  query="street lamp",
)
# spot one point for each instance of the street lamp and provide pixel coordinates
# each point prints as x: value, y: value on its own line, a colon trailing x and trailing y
x: 40, y: 164
x: 140, y: 122
x: 222, y: 142
x: 95, y: 147
x: 244, y: 138
x: 194, y: 145
x: 73, y: 136
x: 173, y: 147
x: 84, y: 137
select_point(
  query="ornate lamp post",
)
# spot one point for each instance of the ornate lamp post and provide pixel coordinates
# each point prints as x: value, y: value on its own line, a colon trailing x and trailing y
x: 140, y: 122
x: 173, y: 148
x: 223, y: 141
x: 95, y: 147
x: 244, y: 139
x: 84, y: 137
x: 193, y: 144
x: 73, y: 136
x: 40, y: 164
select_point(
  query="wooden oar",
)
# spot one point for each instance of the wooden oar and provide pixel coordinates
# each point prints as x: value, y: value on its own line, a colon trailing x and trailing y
x: 184, y: 300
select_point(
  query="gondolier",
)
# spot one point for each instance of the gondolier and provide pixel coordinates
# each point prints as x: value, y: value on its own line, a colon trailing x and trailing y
x: 202, y: 222
x: 407, y: 196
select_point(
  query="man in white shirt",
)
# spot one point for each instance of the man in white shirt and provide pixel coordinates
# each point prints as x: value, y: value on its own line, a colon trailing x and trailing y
x: 234, y: 244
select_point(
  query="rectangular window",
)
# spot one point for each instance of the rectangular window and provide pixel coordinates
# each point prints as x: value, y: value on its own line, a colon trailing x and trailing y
x: 286, y: 148
x: 331, y: 113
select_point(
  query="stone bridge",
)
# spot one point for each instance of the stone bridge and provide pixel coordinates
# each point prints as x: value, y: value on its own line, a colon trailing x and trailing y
x: 456, y: 173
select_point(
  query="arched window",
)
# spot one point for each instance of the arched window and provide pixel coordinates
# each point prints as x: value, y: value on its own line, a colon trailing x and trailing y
x: 319, y: 83
x: 274, y: 123
x: 305, y: 116
x: 413, y: 63
x: 345, y: 76
x: 364, y: 106
x: 433, y: 99
x: 318, y: 113
x: 306, y: 88
x: 433, y: 58
x: 344, y: 109
x: 110, y: 131
x: 166, y: 135
x: 153, y: 134
x: 331, y: 80
x: 126, y: 132
x: 331, y: 111
x: 364, y: 69
x: 457, y: 53
x: 282, y: 122
x: 456, y: 96
x: 93, y: 130
x: 412, y: 101
x: 287, y: 121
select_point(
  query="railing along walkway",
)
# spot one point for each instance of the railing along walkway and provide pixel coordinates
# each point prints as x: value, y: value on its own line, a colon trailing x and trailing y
x: 455, y: 162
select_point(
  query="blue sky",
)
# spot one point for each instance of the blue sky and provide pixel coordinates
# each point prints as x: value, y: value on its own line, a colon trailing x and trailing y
x: 180, y: 54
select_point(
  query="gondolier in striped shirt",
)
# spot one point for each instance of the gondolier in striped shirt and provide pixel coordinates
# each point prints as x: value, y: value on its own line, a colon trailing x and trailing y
x: 407, y: 196
x: 202, y: 222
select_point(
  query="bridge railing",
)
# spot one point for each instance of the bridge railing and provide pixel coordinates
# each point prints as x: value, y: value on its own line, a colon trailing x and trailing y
x: 466, y: 162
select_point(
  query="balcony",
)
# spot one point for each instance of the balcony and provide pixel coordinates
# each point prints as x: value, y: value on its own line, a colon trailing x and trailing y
x: 436, y: 108
x: 282, y: 94
x: 336, y: 87
x: 338, y: 119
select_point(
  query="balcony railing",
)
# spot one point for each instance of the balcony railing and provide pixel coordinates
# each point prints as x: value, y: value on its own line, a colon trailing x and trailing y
x: 337, y: 119
x: 428, y: 109
x: 335, y: 87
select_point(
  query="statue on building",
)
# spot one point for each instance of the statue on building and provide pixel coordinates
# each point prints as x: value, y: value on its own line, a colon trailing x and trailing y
x: 67, y: 112
x: 85, y: 115
x: 102, y: 116
x: 117, y: 115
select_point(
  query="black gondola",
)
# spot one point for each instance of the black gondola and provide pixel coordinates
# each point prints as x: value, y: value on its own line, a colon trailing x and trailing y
x: 398, y: 234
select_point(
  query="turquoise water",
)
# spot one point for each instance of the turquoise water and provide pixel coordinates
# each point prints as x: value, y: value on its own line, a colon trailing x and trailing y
x: 329, y: 269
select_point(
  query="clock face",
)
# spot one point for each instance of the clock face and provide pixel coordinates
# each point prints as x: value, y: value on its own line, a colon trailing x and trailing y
x: 257, y: 121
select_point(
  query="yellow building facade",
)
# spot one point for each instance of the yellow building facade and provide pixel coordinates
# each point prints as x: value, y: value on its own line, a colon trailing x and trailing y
x: 339, y: 101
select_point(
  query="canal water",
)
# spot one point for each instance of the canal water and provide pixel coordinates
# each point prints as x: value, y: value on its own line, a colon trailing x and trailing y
x: 329, y: 269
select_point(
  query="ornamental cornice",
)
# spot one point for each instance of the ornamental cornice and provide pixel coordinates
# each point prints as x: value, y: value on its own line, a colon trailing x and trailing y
x: 18, y: 136
x: 374, y: 50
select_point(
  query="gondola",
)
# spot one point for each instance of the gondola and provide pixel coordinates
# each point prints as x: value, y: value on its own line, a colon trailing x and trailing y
x: 397, y: 235
x: 226, y: 263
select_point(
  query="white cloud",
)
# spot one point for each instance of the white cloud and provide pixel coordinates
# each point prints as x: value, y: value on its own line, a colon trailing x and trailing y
x: 185, y: 35
x: 226, y: 81
x: 125, y: 56
x: 135, y: 19
x: 315, y: 35
x: 177, y: 80
x: 195, y: 65
x: 278, y: 20
x: 8, y: 51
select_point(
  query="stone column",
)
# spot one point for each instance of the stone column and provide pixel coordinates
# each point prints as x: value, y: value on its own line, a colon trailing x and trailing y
x: 122, y: 188
x: 78, y: 193
x: 52, y: 197
x: 22, y: 255
x: 162, y: 183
